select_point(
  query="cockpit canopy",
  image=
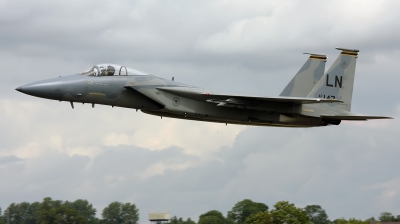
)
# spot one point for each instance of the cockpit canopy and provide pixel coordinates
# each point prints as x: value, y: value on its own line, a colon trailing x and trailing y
x: 112, y: 70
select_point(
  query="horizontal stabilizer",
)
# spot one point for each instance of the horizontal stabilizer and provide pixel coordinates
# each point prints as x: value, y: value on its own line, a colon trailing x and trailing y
x: 354, y: 117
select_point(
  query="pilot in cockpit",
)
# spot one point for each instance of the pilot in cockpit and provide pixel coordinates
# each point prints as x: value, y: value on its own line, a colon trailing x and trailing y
x: 108, y: 71
x: 111, y: 70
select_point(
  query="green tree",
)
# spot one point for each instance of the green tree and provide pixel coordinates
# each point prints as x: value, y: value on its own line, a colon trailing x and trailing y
x: 23, y: 213
x: 47, y: 212
x: 51, y: 211
x: 189, y: 221
x: 212, y: 217
x: 284, y: 212
x: 66, y: 215
x: 31, y: 216
x: 12, y: 214
x: 350, y: 221
x: 211, y: 220
x: 260, y: 218
x: 372, y: 219
x: 386, y: 217
x: 84, y: 208
x: 1, y: 218
x: 244, y: 209
x: 118, y: 212
x: 316, y: 214
x: 175, y: 220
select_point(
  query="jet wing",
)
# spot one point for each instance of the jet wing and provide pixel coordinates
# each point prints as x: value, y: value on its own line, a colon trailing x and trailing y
x: 224, y: 99
x: 297, y: 100
x: 353, y: 117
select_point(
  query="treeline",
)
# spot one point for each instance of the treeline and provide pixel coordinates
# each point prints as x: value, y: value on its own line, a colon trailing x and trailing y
x: 283, y: 212
x: 244, y: 212
x: 78, y: 212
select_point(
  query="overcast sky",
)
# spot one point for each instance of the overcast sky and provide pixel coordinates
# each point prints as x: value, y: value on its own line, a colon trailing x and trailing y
x: 187, y: 167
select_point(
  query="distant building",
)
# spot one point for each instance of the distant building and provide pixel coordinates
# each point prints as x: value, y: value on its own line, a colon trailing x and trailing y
x: 159, y: 217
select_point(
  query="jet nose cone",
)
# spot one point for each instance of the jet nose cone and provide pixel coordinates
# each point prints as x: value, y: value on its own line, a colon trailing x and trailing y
x: 49, y: 89
x: 19, y: 89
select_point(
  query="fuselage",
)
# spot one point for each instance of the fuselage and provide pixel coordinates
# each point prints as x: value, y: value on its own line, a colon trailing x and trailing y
x: 141, y: 92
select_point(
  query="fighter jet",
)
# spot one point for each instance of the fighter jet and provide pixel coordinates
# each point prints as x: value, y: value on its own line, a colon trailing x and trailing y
x: 312, y: 98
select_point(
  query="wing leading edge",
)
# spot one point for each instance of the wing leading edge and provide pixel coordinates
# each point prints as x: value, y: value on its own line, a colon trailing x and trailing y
x: 353, y: 117
x: 199, y: 94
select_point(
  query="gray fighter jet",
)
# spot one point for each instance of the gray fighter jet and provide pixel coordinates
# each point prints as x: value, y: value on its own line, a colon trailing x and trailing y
x: 312, y: 98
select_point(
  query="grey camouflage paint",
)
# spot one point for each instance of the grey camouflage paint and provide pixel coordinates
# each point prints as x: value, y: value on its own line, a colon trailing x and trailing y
x: 307, y: 77
x: 153, y: 95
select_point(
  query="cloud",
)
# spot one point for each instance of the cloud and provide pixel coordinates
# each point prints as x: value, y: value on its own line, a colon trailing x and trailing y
x: 185, y: 167
x: 389, y: 194
x: 177, y: 133
x: 9, y: 159
x: 260, y: 33
x: 122, y: 129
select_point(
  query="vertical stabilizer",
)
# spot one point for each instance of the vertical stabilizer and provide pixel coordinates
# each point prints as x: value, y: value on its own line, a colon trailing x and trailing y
x: 307, y: 77
x: 338, y: 81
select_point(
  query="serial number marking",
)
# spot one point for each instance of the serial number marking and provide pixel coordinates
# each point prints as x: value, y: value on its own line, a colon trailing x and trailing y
x: 326, y: 96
